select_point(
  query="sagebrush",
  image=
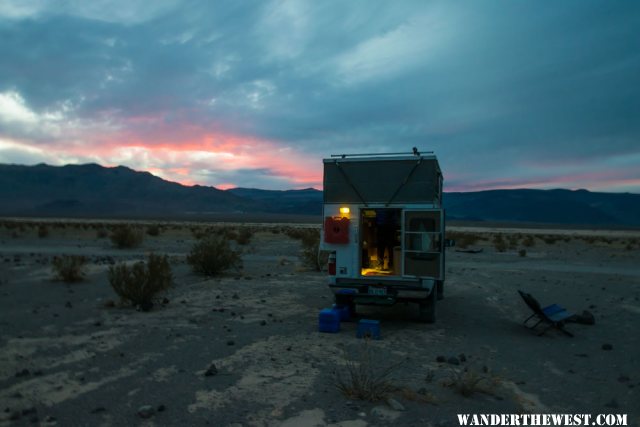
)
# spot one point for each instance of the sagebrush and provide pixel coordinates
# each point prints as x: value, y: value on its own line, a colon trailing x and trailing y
x: 140, y: 283
x: 212, y: 255
x: 311, y: 255
x: 126, y: 236
x: 69, y: 268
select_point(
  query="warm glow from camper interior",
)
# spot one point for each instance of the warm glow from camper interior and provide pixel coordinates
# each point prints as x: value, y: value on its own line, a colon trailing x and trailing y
x: 345, y: 210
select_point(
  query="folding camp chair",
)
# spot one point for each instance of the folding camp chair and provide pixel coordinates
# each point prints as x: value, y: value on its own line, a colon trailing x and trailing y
x: 553, y: 315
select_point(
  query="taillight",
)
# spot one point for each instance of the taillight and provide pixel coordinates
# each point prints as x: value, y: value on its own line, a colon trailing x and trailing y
x: 331, y: 264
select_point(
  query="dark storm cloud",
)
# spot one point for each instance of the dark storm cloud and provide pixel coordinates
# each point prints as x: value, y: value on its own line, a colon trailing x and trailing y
x: 502, y: 91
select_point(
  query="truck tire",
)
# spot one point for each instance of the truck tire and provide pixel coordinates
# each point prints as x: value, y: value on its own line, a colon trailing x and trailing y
x: 346, y: 300
x: 427, y: 309
x: 440, y: 289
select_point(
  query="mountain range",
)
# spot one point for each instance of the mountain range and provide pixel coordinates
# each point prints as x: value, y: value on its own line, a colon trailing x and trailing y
x: 119, y: 192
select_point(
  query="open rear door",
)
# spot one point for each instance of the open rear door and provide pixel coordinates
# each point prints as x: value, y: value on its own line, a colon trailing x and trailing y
x: 423, y: 243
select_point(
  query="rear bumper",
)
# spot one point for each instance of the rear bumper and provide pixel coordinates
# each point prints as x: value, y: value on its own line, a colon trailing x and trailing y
x: 396, y: 289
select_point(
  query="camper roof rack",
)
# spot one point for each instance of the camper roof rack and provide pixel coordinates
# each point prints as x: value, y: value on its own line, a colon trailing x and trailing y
x: 415, y: 152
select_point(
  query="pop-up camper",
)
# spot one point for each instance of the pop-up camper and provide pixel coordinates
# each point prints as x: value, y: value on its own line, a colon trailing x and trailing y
x: 384, y: 229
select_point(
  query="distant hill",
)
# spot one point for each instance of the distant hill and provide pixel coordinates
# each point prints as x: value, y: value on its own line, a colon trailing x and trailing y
x: 306, y: 201
x: 545, y: 206
x: 93, y: 190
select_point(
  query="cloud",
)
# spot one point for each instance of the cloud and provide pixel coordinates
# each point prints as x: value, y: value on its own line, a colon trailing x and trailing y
x: 504, y: 93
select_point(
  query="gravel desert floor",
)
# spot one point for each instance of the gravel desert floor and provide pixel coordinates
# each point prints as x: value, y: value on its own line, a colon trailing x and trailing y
x: 243, y: 348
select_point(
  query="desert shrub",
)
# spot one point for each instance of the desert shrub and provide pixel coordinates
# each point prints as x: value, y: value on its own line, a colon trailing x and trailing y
x: 68, y: 268
x: 43, y: 231
x: 198, y: 233
x: 463, y: 240
x: 102, y: 233
x: 470, y: 380
x: 126, y: 236
x: 513, y: 241
x: 213, y: 255
x: 140, y: 283
x: 153, y: 230
x: 522, y: 252
x: 364, y: 378
x: 499, y: 244
x: 549, y: 239
x: 529, y: 241
x: 311, y: 255
x: 244, y: 236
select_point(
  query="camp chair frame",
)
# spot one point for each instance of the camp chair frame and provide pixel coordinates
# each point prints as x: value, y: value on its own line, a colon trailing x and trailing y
x: 553, y: 315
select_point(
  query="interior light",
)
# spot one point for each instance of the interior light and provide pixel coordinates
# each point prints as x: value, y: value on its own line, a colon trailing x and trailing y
x: 345, y: 210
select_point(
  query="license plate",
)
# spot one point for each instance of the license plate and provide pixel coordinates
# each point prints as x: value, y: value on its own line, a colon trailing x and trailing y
x: 381, y: 291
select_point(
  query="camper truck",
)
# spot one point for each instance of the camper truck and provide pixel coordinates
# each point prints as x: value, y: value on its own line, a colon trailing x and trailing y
x: 384, y: 229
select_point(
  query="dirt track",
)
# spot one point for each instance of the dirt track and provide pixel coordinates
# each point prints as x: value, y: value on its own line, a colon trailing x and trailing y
x: 65, y: 359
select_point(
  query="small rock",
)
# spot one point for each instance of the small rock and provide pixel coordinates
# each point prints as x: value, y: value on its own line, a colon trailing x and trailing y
x: 394, y: 404
x: 161, y: 408
x: 607, y: 347
x: 97, y: 323
x: 211, y: 370
x: 29, y: 411
x: 613, y: 404
x: 263, y: 322
x: 441, y: 359
x: 22, y: 373
x: 68, y: 304
x: 230, y: 342
x: 145, y: 411
x: 289, y: 348
x: 453, y: 361
x: 235, y: 296
x: 98, y: 410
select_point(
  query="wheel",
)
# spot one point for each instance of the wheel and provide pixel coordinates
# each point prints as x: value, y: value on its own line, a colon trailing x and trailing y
x: 440, y: 289
x: 427, y: 309
x: 346, y: 300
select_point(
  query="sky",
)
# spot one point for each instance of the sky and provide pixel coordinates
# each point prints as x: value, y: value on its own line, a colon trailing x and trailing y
x: 508, y: 94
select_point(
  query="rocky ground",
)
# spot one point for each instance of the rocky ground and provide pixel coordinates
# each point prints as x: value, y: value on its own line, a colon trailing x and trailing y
x: 243, y: 349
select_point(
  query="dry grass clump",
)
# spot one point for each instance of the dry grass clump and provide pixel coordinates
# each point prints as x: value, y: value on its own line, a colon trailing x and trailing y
x: 212, y: 255
x: 43, y: 231
x: 68, y: 268
x: 140, y: 283
x: 499, y: 243
x: 549, y: 239
x: 153, y: 230
x: 244, y: 236
x: 529, y: 241
x: 126, y: 236
x: 311, y: 255
x: 463, y: 240
x: 513, y: 240
x: 471, y: 380
x: 364, y: 379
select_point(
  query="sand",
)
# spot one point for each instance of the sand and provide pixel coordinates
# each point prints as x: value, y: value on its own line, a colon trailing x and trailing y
x: 67, y: 359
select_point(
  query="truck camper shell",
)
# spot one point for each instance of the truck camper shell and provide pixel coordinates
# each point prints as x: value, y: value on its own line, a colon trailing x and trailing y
x: 384, y: 228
